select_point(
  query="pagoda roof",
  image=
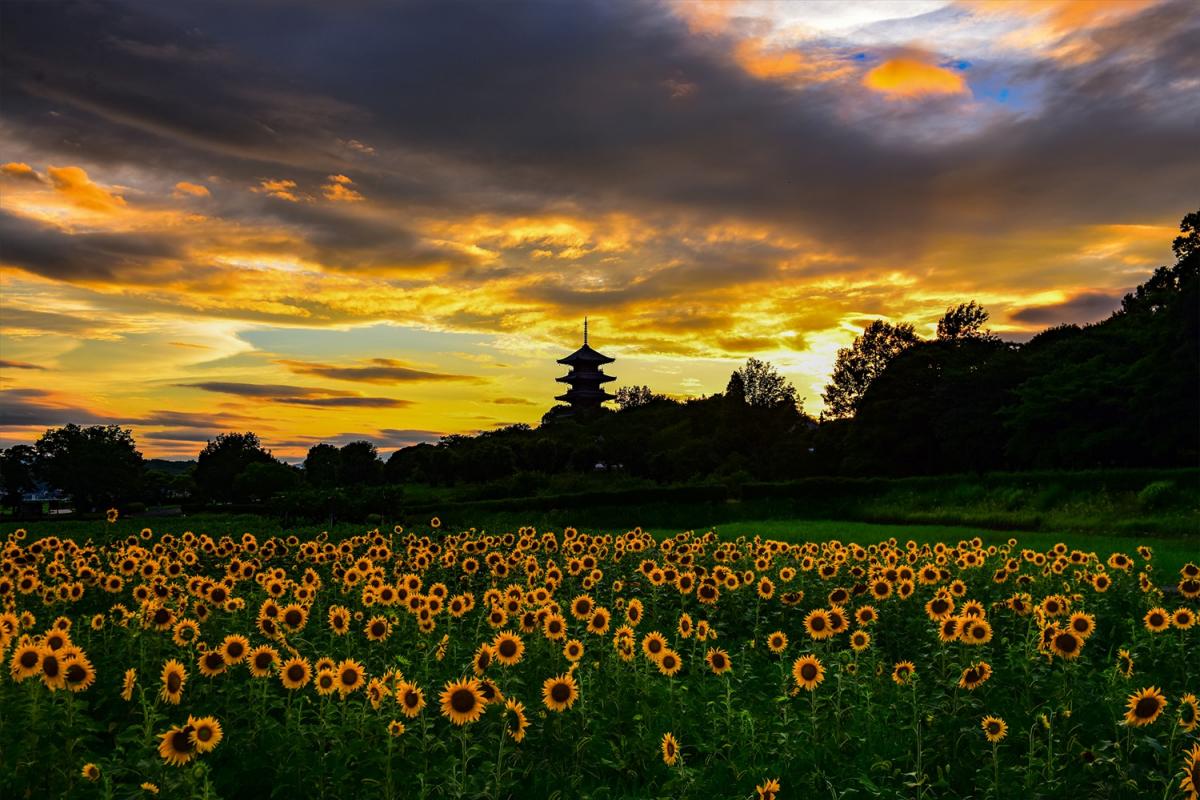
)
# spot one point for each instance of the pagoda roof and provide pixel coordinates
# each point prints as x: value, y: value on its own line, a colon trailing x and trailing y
x: 585, y: 377
x: 586, y: 355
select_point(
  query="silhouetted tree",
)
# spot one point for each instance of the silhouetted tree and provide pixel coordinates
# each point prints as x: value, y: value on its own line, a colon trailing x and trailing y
x: 861, y: 363
x: 963, y: 321
x: 261, y: 480
x: 222, y: 460
x: 634, y: 396
x: 360, y: 464
x: 322, y: 465
x: 762, y: 385
x: 98, y: 465
x: 17, y: 476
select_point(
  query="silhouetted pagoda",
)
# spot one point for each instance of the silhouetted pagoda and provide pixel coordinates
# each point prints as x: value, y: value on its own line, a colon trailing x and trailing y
x: 585, y: 377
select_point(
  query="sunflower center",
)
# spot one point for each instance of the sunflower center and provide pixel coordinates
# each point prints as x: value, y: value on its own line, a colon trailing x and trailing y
x: 349, y: 677
x: 808, y: 672
x: 463, y: 700
x: 560, y: 692
x: 508, y: 648
x: 29, y: 658
x: 1146, y: 707
x: 295, y: 672
x: 180, y: 742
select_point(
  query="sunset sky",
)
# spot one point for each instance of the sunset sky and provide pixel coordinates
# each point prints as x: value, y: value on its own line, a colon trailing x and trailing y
x: 327, y: 221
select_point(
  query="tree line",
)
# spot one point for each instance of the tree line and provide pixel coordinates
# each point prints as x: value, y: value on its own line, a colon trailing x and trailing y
x: 1123, y: 392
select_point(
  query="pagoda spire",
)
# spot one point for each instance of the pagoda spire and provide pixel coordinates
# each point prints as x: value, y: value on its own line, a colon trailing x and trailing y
x: 585, y: 330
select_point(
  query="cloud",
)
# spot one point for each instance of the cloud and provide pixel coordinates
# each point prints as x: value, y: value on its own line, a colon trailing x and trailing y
x: 47, y: 250
x: 186, y: 188
x: 280, y: 188
x: 6, y: 364
x: 20, y: 171
x: 514, y: 401
x: 910, y: 77
x: 74, y: 184
x: 1081, y: 309
x: 375, y: 370
x: 341, y: 189
x: 298, y: 395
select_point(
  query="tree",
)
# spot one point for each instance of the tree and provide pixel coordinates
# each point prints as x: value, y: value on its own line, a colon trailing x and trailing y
x: 963, y: 321
x: 97, y: 465
x: 634, y: 396
x: 222, y: 460
x: 735, y: 390
x: 360, y: 464
x: 861, y: 363
x: 17, y: 476
x: 323, y: 465
x: 262, y: 480
x: 762, y: 385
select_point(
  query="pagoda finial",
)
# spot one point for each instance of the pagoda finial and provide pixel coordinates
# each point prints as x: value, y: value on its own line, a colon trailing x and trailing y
x: 585, y: 330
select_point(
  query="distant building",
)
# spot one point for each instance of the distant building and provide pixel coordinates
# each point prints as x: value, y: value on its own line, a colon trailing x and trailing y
x: 586, y: 377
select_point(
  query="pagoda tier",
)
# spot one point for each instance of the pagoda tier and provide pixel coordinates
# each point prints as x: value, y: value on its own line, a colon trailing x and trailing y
x: 586, y: 377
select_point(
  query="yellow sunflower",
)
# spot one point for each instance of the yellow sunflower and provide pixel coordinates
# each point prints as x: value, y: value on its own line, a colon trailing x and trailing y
x: 994, y: 728
x: 718, y: 660
x: 205, y: 733
x: 176, y: 747
x: 670, y: 749
x: 808, y: 672
x: 173, y: 677
x: 1145, y: 706
x: 462, y: 701
x: 411, y: 699
x: 560, y: 692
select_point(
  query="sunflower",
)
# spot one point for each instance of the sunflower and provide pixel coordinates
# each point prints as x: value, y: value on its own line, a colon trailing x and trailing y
x: 865, y: 615
x: 326, y: 682
x: 378, y: 629
x: 903, y: 672
x: 293, y: 616
x: 718, y: 660
x: 211, y: 663
x: 1183, y: 618
x: 176, y: 747
x: 808, y: 672
x: 295, y: 673
x: 1189, y: 712
x: 598, y: 623
x: 769, y: 790
x: 262, y: 660
x: 1145, y: 707
x: 508, y: 648
x: 78, y: 673
x: 26, y: 661
x: 90, y: 772
x: 975, y: 630
x: 994, y: 728
x: 1157, y: 620
x: 573, y: 650
x: 654, y: 644
x: 975, y: 675
x: 560, y: 692
x: 940, y: 607
x: 670, y: 749
x: 206, y: 733
x: 147, y: 786
x: 234, y: 649
x: 339, y: 620
x: 582, y: 606
x: 1190, y: 783
x: 483, y: 658
x: 462, y: 701
x: 53, y: 670
x: 669, y: 663
x: 1125, y: 662
x: 948, y: 630
x: 350, y: 676
x: 517, y: 726
x: 396, y: 728
x: 817, y: 624
x: 1066, y: 644
x: 173, y: 677
x: 411, y: 699
x: 1082, y: 625
x: 860, y: 640
x: 777, y: 642
x: 127, y: 684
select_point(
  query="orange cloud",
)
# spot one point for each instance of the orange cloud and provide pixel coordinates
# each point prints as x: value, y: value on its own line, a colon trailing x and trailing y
x: 76, y: 186
x: 340, y: 189
x: 283, y: 189
x: 193, y: 189
x: 910, y: 77
x: 19, y: 171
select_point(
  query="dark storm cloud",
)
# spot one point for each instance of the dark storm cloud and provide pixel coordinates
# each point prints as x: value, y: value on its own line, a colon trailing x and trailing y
x: 1080, y: 309
x: 46, y: 250
x: 525, y: 107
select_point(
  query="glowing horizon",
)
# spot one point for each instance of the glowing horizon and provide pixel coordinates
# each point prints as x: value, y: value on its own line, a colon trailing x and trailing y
x: 388, y: 222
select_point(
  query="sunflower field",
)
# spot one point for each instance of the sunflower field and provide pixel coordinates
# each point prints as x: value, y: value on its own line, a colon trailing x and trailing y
x: 566, y: 664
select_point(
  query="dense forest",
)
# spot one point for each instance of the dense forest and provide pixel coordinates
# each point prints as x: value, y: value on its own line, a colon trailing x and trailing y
x: 1124, y: 392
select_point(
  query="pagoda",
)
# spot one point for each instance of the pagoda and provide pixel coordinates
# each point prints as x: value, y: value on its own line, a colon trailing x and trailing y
x: 586, y: 377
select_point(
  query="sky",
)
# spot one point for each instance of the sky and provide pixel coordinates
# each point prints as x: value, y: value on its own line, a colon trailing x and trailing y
x: 333, y: 221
